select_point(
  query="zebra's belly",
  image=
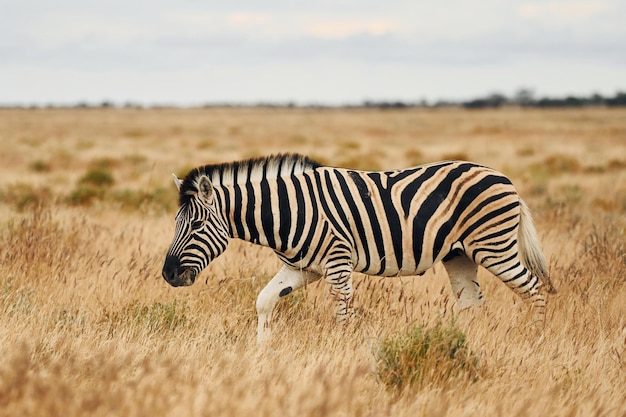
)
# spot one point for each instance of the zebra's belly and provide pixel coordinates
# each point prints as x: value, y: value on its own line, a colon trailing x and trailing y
x: 394, y: 271
x: 402, y: 273
x: 390, y: 258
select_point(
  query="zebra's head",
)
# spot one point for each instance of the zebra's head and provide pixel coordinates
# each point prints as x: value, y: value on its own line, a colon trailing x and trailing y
x: 201, y: 233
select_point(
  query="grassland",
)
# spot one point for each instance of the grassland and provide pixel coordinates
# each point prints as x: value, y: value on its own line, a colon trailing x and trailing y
x: 88, y: 326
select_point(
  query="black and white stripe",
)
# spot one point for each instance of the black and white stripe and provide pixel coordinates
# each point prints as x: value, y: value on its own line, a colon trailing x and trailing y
x: 328, y: 222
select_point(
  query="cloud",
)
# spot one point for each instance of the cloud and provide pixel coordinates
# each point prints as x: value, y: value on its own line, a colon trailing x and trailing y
x: 246, y: 19
x: 245, y: 44
x: 568, y: 11
x: 342, y: 28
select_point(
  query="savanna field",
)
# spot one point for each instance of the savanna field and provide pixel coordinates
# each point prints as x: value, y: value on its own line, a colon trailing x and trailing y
x: 89, y: 327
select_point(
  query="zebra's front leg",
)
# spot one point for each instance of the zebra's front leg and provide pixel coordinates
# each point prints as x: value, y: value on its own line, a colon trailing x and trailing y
x: 282, y: 284
x: 340, y: 280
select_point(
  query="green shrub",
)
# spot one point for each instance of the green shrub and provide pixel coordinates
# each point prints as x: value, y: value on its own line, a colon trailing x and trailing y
x: 526, y: 151
x: 84, y: 195
x: 349, y: 145
x: 40, y: 166
x: 425, y: 357
x: 104, y: 163
x: 135, y: 133
x: 557, y: 164
x: 616, y: 164
x: 91, y: 186
x: 98, y: 177
x: 206, y: 144
x: 24, y: 196
x: 554, y: 165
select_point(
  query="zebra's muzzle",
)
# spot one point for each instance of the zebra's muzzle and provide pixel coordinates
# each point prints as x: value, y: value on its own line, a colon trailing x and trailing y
x: 176, y: 275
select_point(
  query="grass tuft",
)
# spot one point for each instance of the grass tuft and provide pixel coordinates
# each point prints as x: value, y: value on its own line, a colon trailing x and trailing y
x: 423, y: 357
x: 555, y: 165
x: 40, y: 166
x: 25, y: 196
x: 152, y: 318
x: 38, y: 245
x: 158, y: 200
x: 84, y: 195
x: 97, y: 177
x: 91, y: 186
x: 15, y: 301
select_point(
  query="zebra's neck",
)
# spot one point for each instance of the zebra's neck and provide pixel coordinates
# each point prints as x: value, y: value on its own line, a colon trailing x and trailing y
x: 254, y: 197
x: 255, y: 211
x: 246, y: 171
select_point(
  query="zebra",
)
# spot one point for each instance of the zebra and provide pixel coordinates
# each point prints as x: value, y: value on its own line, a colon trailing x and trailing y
x: 327, y: 222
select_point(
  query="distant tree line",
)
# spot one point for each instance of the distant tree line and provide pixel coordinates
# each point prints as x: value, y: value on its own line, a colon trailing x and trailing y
x: 523, y: 98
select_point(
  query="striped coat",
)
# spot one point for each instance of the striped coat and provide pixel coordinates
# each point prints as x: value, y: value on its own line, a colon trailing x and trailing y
x: 328, y: 222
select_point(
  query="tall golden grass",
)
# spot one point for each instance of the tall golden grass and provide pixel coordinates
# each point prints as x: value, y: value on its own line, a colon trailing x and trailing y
x: 88, y: 326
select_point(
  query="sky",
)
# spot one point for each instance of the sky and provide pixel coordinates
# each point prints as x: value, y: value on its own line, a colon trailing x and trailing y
x: 190, y: 52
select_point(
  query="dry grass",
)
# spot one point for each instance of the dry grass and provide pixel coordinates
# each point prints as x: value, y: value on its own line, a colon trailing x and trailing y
x: 88, y: 326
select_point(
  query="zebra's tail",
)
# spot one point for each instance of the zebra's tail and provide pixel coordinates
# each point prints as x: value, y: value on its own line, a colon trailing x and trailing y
x: 530, y: 250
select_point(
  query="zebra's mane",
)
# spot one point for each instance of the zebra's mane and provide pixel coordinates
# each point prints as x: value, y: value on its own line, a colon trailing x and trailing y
x: 249, y: 170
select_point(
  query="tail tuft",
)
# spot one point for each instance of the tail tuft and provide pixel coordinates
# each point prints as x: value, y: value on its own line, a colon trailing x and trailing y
x: 530, y: 250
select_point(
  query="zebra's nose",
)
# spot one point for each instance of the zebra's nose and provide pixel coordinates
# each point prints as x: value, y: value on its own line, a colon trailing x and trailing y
x: 171, y: 270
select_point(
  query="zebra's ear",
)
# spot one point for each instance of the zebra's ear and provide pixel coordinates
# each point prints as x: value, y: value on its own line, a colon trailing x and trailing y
x: 177, y: 181
x: 205, y: 189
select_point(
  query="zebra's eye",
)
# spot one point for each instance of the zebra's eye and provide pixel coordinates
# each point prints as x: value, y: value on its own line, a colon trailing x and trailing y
x: 196, y: 225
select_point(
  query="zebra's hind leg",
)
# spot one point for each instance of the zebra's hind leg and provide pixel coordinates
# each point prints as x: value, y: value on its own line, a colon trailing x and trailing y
x: 507, y: 266
x: 462, y: 272
x: 284, y: 283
